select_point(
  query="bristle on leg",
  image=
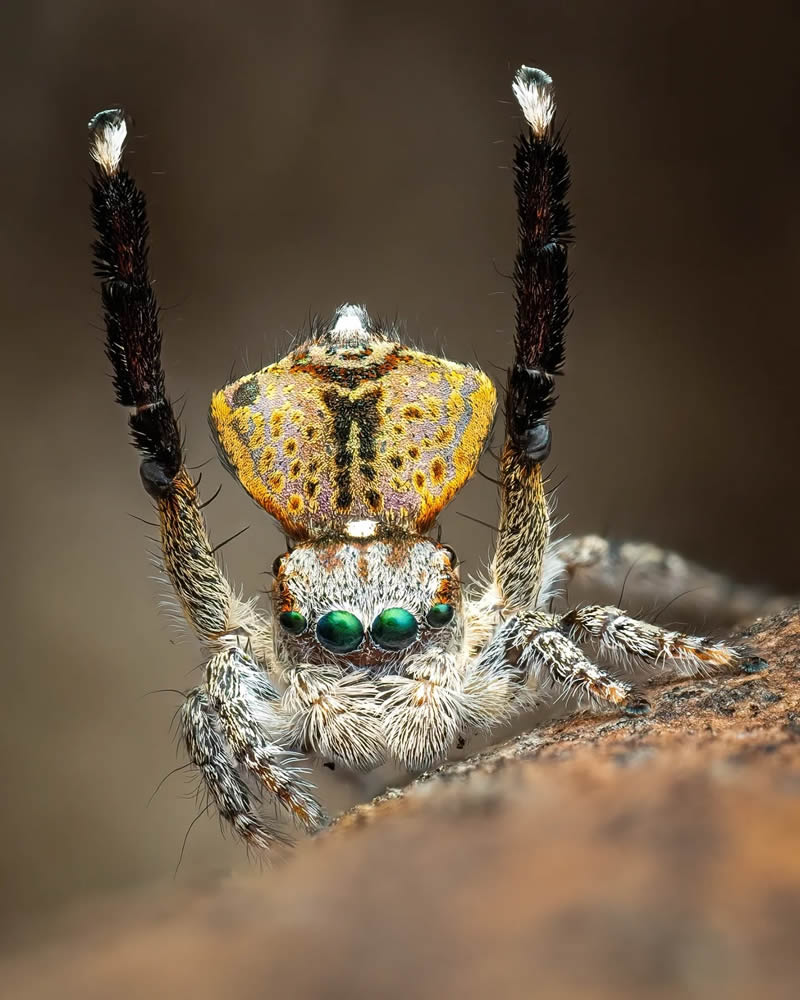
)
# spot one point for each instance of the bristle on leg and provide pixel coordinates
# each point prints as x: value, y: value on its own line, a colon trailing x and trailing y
x: 533, y: 89
x: 108, y: 131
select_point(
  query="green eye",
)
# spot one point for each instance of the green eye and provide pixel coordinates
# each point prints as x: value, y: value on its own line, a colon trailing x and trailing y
x: 394, y: 628
x: 340, y: 631
x: 292, y: 622
x: 440, y: 615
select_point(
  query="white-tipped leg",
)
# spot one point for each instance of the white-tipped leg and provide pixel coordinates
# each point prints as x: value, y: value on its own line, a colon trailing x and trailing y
x: 335, y: 715
x: 629, y: 641
x: 108, y: 131
x: 533, y: 89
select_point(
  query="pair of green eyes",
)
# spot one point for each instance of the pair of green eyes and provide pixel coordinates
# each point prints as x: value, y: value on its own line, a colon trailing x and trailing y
x: 342, y: 632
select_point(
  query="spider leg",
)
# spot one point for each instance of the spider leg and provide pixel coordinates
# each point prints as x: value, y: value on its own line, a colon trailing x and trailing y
x: 648, y: 572
x: 334, y: 714
x: 541, y: 180
x: 542, y: 663
x: 133, y: 346
x: 249, y: 717
x: 210, y: 754
x: 629, y: 641
x: 231, y: 723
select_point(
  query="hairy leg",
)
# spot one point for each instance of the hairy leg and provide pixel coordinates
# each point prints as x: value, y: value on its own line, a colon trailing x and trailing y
x: 230, y: 723
x: 535, y: 659
x: 133, y: 346
x: 538, y: 656
x: 211, y: 754
x: 541, y: 663
x: 648, y: 573
x: 628, y: 641
x: 519, y: 652
x: 526, y: 643
x: 212, y: 757
x: 250, y: 720
x: 541, y: 175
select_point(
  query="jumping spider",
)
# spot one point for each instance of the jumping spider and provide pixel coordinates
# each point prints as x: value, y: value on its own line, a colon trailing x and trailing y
x: 354, y: 443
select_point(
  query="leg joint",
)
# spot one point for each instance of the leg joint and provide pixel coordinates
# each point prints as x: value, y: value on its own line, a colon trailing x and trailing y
x: 528, y: 402
x: 156, y: 478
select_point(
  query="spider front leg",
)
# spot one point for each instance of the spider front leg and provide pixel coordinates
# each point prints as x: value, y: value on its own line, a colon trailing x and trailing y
x: 543, y: 664
x: 231, y: 727
x: 528, y: 652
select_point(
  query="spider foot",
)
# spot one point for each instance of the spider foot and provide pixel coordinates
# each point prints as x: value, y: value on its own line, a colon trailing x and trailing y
x: 754, y: 665
x: 636, y: 705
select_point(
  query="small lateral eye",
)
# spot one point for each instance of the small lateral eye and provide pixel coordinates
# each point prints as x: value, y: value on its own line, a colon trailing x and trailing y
x: 340, y: 631
x: 292, y: 622
x: 440, y: 615
x: 394, y: 628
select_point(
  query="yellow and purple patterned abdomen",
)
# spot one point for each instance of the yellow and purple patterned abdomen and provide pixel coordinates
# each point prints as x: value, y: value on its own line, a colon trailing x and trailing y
x: 336, y: 433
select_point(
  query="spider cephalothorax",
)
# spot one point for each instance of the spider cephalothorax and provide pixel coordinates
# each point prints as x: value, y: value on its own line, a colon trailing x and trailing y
x: 354, y: 443
x: 368, y: 603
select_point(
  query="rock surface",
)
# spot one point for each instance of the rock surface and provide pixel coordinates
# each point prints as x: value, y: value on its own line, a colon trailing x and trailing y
x: 603, y: 857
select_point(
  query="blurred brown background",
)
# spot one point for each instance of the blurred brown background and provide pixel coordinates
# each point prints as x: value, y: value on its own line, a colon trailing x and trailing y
x: 298, y: 155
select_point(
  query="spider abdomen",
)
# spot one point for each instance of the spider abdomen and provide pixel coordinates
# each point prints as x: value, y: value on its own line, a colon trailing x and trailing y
x: 346, y: 429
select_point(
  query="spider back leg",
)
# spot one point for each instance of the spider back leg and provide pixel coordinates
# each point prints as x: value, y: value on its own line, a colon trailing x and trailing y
x: 629, y: 641
x: 232, y: 728
x: 541, y: 181
x: 535, y: 654
x: 133, y: 345
x: 603, y: 569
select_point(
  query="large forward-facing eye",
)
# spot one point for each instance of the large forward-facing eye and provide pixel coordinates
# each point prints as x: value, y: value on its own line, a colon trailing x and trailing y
x: 394, y: 628
x: 340, y: 631
x: 440, y: 615
x: 292, y: 622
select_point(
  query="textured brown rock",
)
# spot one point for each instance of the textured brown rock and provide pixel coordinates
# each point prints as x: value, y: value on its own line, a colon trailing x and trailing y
x: 655, y: 857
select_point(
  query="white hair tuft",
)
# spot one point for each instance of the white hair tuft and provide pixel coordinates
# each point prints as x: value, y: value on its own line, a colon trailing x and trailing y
x: 533, y: 89
x: 350, y: 325
x: 361, y: 529
x: 108, y: 131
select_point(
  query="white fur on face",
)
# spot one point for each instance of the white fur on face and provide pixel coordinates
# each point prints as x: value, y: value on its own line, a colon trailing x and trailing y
x: 366, y: 579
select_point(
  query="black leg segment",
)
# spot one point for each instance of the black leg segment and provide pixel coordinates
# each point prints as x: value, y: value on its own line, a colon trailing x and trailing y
x: 133, y: 342
x: 541, y: 183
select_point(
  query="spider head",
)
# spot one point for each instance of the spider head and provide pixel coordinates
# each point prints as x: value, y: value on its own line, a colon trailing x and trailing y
x: 366, y: 603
